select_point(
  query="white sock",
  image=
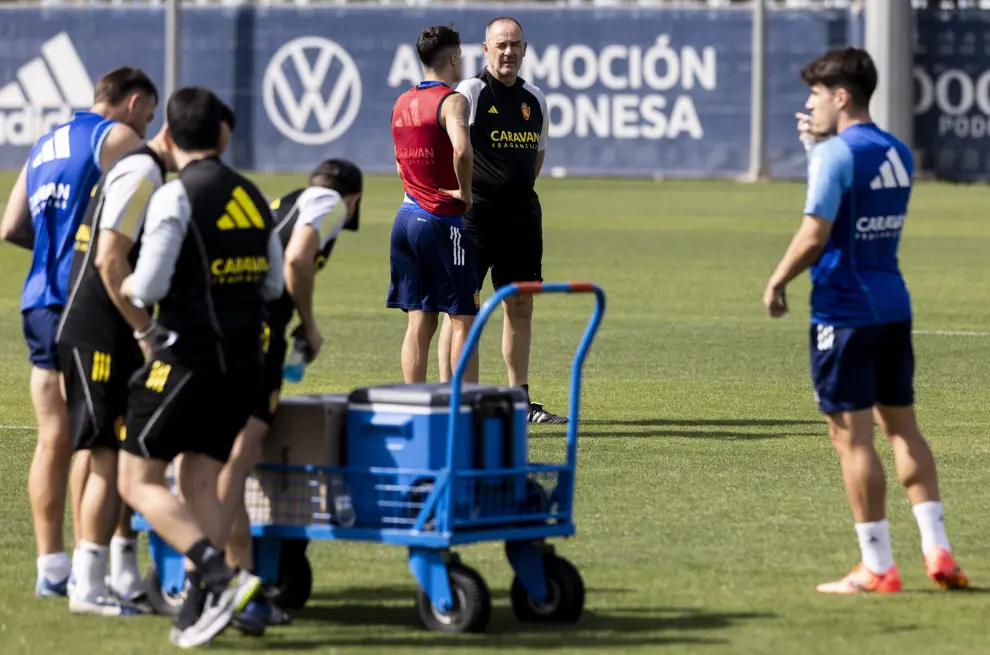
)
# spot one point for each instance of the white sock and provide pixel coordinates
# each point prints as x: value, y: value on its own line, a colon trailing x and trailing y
x: 89, y: 561
x: 55, y: 567
x: 931, y: 525
x: 125, y: 576
x: 874, y: 542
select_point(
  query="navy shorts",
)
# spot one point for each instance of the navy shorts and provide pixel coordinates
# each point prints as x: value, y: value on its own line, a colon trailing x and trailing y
x: 40, y: 325
x: 855, y: 368
x: 433, y: 266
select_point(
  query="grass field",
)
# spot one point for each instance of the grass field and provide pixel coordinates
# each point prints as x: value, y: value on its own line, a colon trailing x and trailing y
x: 709, y: 502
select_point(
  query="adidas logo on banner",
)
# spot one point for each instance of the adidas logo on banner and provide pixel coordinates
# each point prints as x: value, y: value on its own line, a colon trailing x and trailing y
x: 892, y: 175
x: 47, y: 90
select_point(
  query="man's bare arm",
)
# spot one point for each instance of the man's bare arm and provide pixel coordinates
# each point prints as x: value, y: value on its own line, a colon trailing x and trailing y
x: 456, y: 115
x: 300, y: 272
x: 16, y: 226
x: 119, y: 141
x: 112, y: 263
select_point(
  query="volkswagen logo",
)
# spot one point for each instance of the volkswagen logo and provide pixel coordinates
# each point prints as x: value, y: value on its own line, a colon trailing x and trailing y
x: 312, y: 90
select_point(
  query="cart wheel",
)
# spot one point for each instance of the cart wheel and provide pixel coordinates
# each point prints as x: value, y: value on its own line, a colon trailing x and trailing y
x: 565, y: 595
x: 472, y: 603
x: 295, y: 580
x: 164, y: 603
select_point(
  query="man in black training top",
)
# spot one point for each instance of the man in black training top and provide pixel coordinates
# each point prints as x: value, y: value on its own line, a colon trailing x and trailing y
x: 210, y: 259
x: 509, y: 124
x: 100, y: 355
x: 308, y: 222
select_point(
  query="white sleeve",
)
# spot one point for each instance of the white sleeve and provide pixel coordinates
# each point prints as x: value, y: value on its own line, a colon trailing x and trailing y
x: 165, y: 229
x: 126, y: 192
x: 542, y: 100
x: 323, y: 210
x: 471, y: 89
x: 274, y: 283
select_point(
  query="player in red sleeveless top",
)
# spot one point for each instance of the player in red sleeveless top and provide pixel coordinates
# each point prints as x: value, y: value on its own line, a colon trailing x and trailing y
x: 432, y: 258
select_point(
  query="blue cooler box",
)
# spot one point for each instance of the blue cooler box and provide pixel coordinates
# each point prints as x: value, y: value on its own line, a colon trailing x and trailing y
x: 404, y: 428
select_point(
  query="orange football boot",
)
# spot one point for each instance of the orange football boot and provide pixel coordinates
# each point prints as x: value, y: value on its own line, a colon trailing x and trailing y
x: 861, y: 579
x: 942, y: 568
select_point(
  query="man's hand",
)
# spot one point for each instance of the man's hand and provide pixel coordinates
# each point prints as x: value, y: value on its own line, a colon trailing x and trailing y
x: 463, y: 196
x: 310, y: 333
x: 775, y: 299
x: 314, y: 338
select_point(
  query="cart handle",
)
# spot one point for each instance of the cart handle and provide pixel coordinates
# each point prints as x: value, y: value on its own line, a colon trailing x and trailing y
x: 471, y: 343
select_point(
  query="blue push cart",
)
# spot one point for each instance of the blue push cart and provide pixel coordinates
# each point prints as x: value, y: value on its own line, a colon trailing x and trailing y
x: 430, y: 467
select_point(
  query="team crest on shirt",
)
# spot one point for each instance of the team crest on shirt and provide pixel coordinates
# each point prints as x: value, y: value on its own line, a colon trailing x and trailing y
x: 525, y: 111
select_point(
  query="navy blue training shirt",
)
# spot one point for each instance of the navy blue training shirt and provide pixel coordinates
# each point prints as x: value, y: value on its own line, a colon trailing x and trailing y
x: 861, y: 181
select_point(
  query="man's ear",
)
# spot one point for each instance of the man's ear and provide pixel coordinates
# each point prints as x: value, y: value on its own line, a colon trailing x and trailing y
x: 132, y: 103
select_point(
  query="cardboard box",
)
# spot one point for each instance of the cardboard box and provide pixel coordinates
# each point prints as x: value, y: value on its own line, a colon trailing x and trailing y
x: 308, y: 431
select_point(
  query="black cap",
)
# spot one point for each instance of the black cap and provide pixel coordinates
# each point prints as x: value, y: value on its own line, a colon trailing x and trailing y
x: 345, y: 178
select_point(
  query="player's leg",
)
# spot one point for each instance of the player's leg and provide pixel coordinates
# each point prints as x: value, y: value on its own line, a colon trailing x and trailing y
x: 406, y: 291
x: 520, y: 259
x: 78, y: 472
x: 239, y: 543
x: 452, y: 279
x: 96, y: 395
x: 913, y: 456
x: 49, y: 472
x: 482, y: 260
x: 170, y: 411
x: 843, y: 366
x: 125, y: 573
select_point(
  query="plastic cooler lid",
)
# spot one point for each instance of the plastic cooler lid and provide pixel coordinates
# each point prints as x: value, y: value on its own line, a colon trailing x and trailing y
x: 430, y: 394
x: 324, y: 399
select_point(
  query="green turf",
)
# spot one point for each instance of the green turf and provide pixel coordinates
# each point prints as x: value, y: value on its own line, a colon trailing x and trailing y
x: 709, y: 503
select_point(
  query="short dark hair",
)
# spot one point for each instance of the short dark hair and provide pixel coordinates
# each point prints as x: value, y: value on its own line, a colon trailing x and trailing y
x: 193, y: 116
x: 434, y: 41
x: 228, y: 116
x: 117, y: 85
x: 507, y: 18
x: 341, y: 175
x: 849, y: 68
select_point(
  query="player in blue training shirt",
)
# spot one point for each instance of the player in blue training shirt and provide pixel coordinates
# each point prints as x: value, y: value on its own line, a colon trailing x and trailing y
x: 859, y: 185
x: 43, y: 214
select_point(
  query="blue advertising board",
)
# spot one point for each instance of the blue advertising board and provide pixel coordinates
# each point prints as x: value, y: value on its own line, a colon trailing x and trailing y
x: 631, y: 92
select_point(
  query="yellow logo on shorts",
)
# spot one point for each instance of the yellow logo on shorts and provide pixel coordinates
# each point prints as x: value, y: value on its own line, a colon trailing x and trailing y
x: 273, y: 402
x: 266, y: 337
x: 119, y: 428
x: 82, y: 238
x: 101, y: 367
x: 158, y: 376
x: 477, y: 299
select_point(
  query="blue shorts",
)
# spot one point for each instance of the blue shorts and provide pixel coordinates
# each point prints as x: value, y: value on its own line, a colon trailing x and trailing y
x: 433, y: 265
x: 855, y: 368
x: 40, y: 326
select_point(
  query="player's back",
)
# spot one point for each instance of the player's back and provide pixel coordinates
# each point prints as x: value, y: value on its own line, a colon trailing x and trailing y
x: 90, y: 316
x: 63, y: 169
x: 857, y: 279
x: 423, y: 149
x: 215, y: 293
